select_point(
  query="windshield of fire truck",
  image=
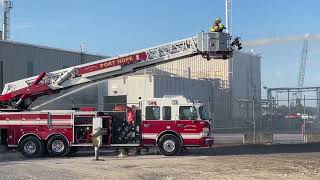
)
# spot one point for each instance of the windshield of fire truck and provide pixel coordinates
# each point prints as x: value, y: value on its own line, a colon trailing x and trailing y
x: 203, y: 113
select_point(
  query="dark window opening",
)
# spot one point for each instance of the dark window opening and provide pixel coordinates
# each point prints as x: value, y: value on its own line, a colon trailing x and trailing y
x: 152, y: 113
x: 3, y: 136
x: 187, y: 113
x: 203, y: 113
x: 166, y: 113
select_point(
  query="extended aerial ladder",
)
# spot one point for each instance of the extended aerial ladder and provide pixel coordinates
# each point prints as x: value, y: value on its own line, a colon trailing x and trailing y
x: 20, y: 94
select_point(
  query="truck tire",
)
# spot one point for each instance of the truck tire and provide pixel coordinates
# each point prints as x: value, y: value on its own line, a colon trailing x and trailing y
x: 169, y: 145
x: 31, y: 147
x: 58, y: 146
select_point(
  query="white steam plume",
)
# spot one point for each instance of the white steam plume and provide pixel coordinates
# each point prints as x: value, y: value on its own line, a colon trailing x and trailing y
x: 76, y: 89
x: 278, y: 40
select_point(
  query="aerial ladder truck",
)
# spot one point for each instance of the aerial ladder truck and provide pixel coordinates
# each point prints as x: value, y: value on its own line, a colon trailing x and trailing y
x: 58, y: 132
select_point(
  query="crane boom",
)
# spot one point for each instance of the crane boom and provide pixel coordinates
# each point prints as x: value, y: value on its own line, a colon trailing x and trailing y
x: 20, y: 94
x: 302, y: 67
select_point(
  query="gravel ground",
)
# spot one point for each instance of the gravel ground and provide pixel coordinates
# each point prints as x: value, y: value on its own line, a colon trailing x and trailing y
x: 232, y: 162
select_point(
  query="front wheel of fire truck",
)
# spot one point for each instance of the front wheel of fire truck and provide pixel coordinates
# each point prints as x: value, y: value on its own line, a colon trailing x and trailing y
x: 31, y: 147
x: 58, y: 146
x: 169, y: 145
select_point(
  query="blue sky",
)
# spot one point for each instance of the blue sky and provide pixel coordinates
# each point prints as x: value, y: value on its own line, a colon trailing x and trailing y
x: 117, y: 26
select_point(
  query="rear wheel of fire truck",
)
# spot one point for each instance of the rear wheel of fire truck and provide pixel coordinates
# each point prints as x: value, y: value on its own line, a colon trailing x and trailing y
x: 31, y: 147
x: 169, y: 145
x: 58, y: 146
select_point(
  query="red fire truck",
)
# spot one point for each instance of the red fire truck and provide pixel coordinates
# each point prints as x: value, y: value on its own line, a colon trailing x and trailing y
x: 168, y: 123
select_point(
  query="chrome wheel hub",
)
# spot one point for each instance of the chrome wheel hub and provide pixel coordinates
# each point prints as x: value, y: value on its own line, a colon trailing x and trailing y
x: 30, y: 147
x: 57, y: 146
x: 169, y: 145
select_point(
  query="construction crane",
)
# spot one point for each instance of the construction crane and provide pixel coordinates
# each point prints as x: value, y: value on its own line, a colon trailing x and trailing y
x: 302, y: 67
x: 301, y: 73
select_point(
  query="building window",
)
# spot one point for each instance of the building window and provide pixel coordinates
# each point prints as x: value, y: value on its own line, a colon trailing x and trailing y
x: 152, y: 113
x: 166, y: 113
x: 30, y: 69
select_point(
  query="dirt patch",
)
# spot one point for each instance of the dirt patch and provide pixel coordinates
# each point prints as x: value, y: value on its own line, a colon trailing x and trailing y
x: 235, y: 162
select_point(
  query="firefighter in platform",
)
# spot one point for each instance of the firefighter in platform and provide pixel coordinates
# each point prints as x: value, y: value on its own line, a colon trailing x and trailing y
x: 217, y: 26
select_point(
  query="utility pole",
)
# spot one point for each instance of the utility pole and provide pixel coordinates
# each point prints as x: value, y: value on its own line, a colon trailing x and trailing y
x: 7, y: 5
x: 83, y: 51
x: 229, y: 17
x: 254, y: 120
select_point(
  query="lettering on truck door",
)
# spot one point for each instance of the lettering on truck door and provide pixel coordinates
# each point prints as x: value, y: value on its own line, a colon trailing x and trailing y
x: 188, y: 125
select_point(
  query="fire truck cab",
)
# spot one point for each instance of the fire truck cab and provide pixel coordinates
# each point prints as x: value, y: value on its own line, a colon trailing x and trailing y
x: 172, y: 122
